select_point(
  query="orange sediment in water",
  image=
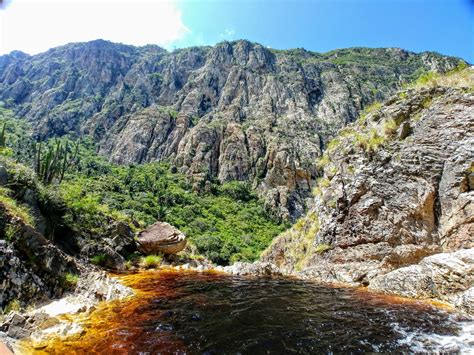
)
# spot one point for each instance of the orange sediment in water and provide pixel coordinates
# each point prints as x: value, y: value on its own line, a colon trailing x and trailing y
x: 101, y: 334
x: 176, y: 311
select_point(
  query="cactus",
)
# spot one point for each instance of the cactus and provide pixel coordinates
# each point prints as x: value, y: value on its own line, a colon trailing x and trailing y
x: 55, y: 160
x: 3, y: 140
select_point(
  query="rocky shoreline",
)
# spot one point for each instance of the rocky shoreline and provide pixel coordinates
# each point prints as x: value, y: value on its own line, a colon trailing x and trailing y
x: 53, y: 319
x: 444, y: 278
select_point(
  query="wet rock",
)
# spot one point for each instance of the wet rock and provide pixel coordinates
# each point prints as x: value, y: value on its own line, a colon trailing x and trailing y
x: 161, y: 237
x: 253, y: 269
x: 446, y: 276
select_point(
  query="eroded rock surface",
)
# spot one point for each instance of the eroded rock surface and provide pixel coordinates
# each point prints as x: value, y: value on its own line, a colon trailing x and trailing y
x: 396, y: 189
x: 235, y: 111
x: 161, y: 238
x: 445, y: 276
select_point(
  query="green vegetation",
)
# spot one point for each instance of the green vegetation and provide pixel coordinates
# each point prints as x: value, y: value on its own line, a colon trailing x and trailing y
x: 369, y: 141
x: 53, y: 163
x: 389, y: 128
x: 99, y: 260
x: 13, y: 305
x: 321, y: 248
x: 150, y: 261
x: 224, y: 222
x: 372, y: 108
x: 14, y: 208
x: 460, y: 77
x: 69, y: 280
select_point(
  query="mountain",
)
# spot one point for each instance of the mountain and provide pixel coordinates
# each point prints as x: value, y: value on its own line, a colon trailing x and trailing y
x: 394, y: 209
x: 234, y: 111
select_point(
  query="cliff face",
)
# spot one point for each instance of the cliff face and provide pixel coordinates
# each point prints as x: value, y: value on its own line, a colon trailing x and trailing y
x: 236, y: 111
x: 398, y: 186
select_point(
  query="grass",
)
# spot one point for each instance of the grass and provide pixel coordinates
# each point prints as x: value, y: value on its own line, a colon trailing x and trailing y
x: 11, y: 231
x: 99, y: 259
x: 372, y: 108
x: 17, y: 210
x: 70, y: 280
x: 460, y: 77
x: 13, y: 305
x: 323, y: 161
x: 390, y: 127
x: 321, y: 248
x: 150, y: 261
x: 369, y: 141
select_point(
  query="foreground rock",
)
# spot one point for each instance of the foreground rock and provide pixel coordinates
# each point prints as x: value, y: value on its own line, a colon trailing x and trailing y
x: 49, y: 321
x: 252, y: 269
x: 397, y: 188
x: 161, y: 237
x: 32, y: 268
x: 446, y: 276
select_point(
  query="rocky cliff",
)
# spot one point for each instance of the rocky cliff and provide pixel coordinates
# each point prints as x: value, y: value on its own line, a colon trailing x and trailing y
x: 398, y: 186
x: 235, y: 111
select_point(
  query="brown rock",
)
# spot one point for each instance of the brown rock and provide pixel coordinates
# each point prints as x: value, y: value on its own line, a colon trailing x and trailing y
x: 161, y: 237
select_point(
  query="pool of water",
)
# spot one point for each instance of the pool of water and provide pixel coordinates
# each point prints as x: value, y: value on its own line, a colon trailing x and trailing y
x: 189, y: 312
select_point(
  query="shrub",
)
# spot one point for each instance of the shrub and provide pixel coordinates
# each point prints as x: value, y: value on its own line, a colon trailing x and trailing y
x: 70, y: 280
x: 150, y: 261
x: 17, y: 210
x: 99, y: 259
x: 390, y: 127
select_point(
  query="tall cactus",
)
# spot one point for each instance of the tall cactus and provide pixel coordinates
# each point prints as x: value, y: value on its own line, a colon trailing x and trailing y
x: 55, y: 161
x: 3, y: 139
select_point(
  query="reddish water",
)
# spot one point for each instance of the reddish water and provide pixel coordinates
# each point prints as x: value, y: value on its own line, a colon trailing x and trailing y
x: 214, y: 314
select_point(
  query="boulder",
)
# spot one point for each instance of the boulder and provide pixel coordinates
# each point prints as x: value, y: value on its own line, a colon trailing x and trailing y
x: 445, y: 276
x: 161, y: 237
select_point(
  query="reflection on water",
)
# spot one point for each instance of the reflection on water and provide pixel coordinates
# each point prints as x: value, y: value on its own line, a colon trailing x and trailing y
x: 211, y: 313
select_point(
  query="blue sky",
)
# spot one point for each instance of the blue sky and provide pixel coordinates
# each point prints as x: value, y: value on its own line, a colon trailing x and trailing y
x: 446, y: 26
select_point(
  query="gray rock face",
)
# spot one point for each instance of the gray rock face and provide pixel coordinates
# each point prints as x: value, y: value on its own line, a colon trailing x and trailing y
x: 30, y: 266
x: 446, y: 276
x: 396, y: 189
x: 235, y: 111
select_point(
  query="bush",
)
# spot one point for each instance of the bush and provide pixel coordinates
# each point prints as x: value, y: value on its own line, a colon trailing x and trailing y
x: 150, y: 261
x: 99, y: 259
x: 69, y: 281
x: 17, y: 210
x: 390, y: 127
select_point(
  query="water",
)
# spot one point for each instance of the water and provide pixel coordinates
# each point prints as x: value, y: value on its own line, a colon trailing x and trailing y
x: 214, y: 314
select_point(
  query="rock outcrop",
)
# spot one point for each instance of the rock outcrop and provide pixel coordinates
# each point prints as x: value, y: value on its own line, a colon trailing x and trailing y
x: 53, y: 319
x: 445, y: 276
x: 235, y: 111
x: 161, y: 238
x: 397, y: 188
x: 31, y: 267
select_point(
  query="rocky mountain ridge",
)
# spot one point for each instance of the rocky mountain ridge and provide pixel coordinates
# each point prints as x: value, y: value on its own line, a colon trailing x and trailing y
x: 235, y: 111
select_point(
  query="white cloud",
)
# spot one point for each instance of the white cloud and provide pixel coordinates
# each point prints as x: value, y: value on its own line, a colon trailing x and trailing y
x: 228, y: 33
x: 34, y: 26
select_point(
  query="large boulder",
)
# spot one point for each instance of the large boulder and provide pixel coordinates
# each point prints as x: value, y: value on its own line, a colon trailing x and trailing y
x: 446, y: 276
x: 161, y: 237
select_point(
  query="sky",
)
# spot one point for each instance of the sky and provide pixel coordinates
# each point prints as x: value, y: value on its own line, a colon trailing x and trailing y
x: 445, y: 26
